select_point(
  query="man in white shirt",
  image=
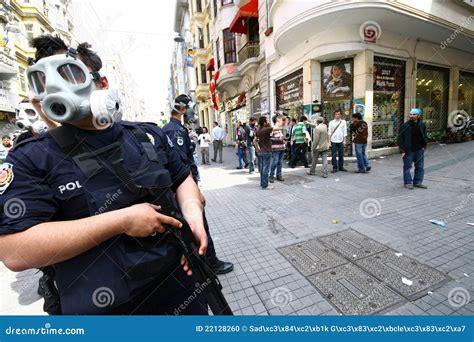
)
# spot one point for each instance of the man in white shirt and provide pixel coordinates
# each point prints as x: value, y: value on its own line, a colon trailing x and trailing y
x: 218, y: 136
x: 337, y: 135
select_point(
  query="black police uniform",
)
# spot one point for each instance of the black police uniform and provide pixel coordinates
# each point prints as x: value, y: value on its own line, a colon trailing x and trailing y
x: 180, y: 137
x: 123, y: 275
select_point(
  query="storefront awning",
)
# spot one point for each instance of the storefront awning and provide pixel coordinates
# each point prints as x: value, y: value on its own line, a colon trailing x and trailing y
x: 247, y: 10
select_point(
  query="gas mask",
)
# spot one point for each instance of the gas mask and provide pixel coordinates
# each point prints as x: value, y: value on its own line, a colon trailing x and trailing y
x: 26, y: 111
x: 67, y: 90
x: 36, y: 127
x: 185, y: 101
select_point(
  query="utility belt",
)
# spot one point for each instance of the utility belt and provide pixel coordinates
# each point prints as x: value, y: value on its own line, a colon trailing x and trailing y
x: 110, y: 274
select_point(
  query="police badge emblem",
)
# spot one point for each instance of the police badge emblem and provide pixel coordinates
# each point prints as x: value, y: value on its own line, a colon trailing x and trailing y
x: 180, y: 141
x: 6, y: 176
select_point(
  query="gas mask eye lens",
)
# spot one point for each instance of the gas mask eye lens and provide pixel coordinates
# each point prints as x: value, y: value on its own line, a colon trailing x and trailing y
x: 72, y: 74
x: 37, y: 82
x: 30, y: 112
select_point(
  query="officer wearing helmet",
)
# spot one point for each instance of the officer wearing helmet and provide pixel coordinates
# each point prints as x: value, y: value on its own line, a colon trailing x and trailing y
x: 92, y: 199
x: 181, y: 107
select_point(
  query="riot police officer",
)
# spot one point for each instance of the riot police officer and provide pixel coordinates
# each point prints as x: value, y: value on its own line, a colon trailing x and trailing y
x: 181, y: 107
x: 92, y: 199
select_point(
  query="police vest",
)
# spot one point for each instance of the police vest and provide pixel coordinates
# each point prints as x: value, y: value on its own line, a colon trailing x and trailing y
x: 113, y: 272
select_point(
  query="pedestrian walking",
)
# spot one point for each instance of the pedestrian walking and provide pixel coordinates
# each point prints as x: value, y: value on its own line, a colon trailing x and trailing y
x: 264, y: 148
x: 218, y: 136
x: 320, y: 147
x: 299, y: 139
x: 360, y: 132
x: 412, y: 142
x: 204, y: 140
x: 250, y: 130
x: 278, y: 149
x: 337, y: 135
x: 241, y: 145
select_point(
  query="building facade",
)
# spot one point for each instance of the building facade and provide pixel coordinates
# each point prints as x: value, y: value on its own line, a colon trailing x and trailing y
x: 8, y: 69
x: 380, y: 58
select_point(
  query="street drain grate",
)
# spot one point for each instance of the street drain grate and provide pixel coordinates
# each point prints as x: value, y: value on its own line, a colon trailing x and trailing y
x: 294, y: 180
x: 310, y: 257
x: 360, y: 276
x: 352, y: 244
x: 391, y: 269
x: 354, y: 292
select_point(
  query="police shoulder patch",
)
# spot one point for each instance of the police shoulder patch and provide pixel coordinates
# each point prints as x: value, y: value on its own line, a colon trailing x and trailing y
x: 180, y: 141
x: 6, y: 176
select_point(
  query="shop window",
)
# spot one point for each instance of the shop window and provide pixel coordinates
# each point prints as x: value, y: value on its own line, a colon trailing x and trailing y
x: 389, y: 96
x: 230, y: 55
x: 466, y: 92
x: 289, y: 94
x: 432, y: 87
x: 336, y: 87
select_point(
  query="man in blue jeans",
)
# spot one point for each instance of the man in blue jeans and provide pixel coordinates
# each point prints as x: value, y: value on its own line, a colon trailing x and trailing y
x: 360, y: 132
x: 264, y: 132
x: 412, y: 143
x: 278, y: 149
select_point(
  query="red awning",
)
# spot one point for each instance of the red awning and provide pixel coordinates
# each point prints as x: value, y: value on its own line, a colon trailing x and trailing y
x: 210, y: 65
x: 239, y: 23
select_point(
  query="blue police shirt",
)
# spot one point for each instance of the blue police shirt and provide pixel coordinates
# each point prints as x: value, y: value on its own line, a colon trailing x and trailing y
x: 180, y: 137
x: 38, y: 183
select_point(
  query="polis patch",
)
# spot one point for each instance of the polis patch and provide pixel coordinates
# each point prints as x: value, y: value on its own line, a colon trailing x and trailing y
x: 6, y: 176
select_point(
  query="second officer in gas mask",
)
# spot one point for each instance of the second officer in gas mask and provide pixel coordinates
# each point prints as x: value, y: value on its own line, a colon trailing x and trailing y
x: 78, y: 198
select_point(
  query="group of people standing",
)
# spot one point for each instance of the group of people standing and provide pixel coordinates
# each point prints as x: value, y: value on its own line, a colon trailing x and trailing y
x: 263, y: 147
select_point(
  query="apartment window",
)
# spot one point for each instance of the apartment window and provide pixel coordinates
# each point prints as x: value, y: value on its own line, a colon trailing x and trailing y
x: 203, y: 73
x: 21, y: 76
x: 230, y: 55
x: 208, y: 36
x: 253, y: 34
x: 227, y: 2
x: 197, y: 75
x: 215, y: 8
x: 200, y: 38
x: 198, y: 5
x: 218, y: 54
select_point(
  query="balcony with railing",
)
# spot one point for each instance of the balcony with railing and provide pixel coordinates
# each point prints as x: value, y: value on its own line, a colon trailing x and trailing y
x: 249, y: 56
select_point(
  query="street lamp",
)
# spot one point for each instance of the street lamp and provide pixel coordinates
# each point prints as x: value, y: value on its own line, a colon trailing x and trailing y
x: 179, y: 38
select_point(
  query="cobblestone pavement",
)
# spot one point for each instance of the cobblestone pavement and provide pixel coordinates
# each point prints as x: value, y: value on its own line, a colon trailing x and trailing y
x: 249, y: 226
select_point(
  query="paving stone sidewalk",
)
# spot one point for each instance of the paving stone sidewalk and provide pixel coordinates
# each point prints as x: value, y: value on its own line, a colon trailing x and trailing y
x: 249, y: 225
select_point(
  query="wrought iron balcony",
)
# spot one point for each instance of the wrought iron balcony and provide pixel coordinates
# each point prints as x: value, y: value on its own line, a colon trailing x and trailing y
x: 249, y: 50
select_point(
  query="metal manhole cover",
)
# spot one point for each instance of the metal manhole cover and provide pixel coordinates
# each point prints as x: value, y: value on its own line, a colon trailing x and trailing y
x: 403, y: 274
x: 354, y: 292
x: 293, y: 180
x: 310, y: 257
x: 352, y: 244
